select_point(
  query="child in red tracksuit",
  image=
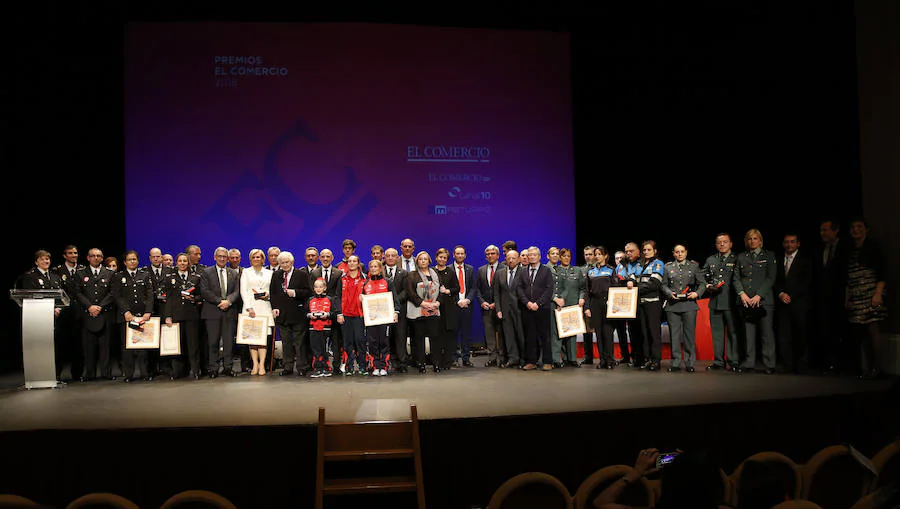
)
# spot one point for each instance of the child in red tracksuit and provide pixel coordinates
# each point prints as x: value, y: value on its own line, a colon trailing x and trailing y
x: 322, y: 311
x: 378, y: 334
x: 351, y: 319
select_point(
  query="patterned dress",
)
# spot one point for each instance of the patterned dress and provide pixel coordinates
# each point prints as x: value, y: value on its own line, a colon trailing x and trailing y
x: 861, y: 282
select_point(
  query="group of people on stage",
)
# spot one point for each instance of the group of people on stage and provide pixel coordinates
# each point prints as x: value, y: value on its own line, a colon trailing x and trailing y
x: 317, y: 309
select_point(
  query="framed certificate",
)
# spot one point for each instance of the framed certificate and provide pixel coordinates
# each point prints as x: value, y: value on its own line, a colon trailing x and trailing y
x: 622, y: 303
x: 170, y: 339
x: 378, y: 308
x: 144, y: 339
x: 252, y: 331
x: 570, y: 321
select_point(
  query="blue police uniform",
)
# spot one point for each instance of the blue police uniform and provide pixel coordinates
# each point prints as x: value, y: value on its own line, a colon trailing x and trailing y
x: 648, y: 282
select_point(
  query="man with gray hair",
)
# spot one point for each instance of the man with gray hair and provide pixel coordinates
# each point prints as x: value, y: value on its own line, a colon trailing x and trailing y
x: 272, y: 255
x: 289, y: 291
x: 507, y: 307
x: 484, y: 292
x: 220, y: 288
x: 535, y: 291
x: 397, y: 275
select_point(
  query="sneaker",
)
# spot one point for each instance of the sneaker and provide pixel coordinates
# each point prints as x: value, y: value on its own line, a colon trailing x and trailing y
x: 384, y: 372
x: 327, y: 373
x: 317, y: 373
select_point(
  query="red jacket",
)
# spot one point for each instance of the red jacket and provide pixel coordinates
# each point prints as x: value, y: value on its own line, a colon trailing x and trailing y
x: 322, y: 304
x: 352, y: 288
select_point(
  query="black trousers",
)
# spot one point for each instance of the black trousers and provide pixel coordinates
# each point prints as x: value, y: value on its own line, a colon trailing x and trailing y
x: 588, y: 338
x: 636, y: 338
x: 318, y: 348
x: 650, y: 316
x: 95, y: 344
x: 190, y: 350
x: 792, y: 340
x: 68, y: 342
x: 399, y: 356
x: 621, y: 329
x: 443, y: 347
x: 378, y: 337
x: 222, y: 328
x: 425, y: 326
x: 295, y: 346
x: 604, y: 329
x: 133, y: 358
x: 537, y: 336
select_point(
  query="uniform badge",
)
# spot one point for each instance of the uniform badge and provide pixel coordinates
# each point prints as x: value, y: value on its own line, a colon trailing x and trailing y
x: 40, y: 281
x: 63, y: 277
x: 86, y: 279
x: 173, y: 281
x: 124, y: 280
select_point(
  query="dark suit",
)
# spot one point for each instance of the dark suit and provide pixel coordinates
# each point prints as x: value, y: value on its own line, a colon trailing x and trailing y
x: 159, y: 304
x: 67, y: 340
x: 187, y: 313
x: 133, y: 294
x: 291, y: 321
x: 333, y: 288
x: 506, y: 302
x: 793, y: 318
x: 484, y: 292
x: 464, y: 318
x: 219, y: 324
x: 536, y: 324
x: 399, y: 356
x: 830, y: 317
x: 95, y: 331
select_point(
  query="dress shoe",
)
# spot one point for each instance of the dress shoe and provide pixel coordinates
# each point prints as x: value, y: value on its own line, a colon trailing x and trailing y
x: 547, y: 367
x: 587, y: 362
x: 574, y: 364
x: 129, y: 379
x: 770, y: 371
x: 529, y: 367
x: 713, y: 367
x: 402, y: 369
x: 671, y: 369
x: 653, y: 366
x: 490, y: 364
x: 285, y: 372
x: 87, y: 379
x: 212, y: 374
x: 510, y: 365
x: 422, y: 368
x: 172, y: 378
x: 558, y: 365
x: 147, y: 379
x: 691, y: 369
x: 437, y: 369
x: 468, y: 364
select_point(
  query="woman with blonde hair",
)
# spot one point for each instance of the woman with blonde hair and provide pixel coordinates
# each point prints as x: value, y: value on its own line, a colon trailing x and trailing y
x: 255, y: 282
x: 422, y: 307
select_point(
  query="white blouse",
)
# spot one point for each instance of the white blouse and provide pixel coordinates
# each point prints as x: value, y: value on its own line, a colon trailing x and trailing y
x: 251, y: 280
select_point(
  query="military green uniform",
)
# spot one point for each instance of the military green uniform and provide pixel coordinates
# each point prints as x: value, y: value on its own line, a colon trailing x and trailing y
x: 555, y: 342
x: 754, y: 274
x: 682, y: 278
x: 570, y: 287
x: 719, y: 270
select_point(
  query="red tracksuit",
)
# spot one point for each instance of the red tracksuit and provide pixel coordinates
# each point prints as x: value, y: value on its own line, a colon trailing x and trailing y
x: 318, y: 327
x: 378, y: 334
x: 353, y: 330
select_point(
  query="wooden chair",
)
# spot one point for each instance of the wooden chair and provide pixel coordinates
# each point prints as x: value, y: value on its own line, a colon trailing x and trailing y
x: 792, y: 474
x: 833, y: 478
x: 369, y: 441
x: 797, y: 504
x: 505, y: 493
x: 635, y: 494
x: 102, y: 499
x: 198, y: 496
x: 887, y: 461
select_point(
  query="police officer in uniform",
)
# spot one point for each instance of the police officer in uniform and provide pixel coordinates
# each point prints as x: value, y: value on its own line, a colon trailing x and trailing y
x: 68, y: 335
x: 626, y: 270
x: 183, y: 307
x: 719, y: 271
x: 96, y: 299
x: 40, y: 277
x: 570, y: 290
x: 158, y: 274
x: 648, y: 281
x: 754, y: 276
x: 683, y: 283
x: 133, y: 292
x: 599, y: 280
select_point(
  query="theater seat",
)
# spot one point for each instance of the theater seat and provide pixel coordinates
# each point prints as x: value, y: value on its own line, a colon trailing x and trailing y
x: 797, y: 504
x: 636, y: 494
x: 94, y: 500
x: 210, y: 499
x: 531, y: 489
x: 834, y: 479
x: 789, y: 470
x: 11, y: 501
x: 887, y: 461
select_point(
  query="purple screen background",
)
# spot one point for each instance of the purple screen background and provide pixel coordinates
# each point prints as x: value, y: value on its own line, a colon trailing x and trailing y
x: 326, y: 149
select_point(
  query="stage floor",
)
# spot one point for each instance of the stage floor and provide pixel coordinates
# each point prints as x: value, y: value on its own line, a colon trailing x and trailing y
x: 459, y: 393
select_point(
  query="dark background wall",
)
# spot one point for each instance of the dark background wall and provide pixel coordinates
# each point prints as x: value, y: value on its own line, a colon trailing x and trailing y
x: 688, y: 121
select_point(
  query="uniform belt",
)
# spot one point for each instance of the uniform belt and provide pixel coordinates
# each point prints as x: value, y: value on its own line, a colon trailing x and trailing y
x: 650, y: 299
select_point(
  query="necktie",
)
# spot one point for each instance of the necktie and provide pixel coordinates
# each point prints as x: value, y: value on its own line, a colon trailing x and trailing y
x: 787, y: 264
x: 157, y: 271
x: 184, y: 277
x: 829, y: 254
x: 71, y: 272
x: 491, y: 276
x: 327, y: 274
x: 509, y: 277
x: 390, y: 273
x: 532, y: 274
x: 407, y: 266
x: 462, y: 280
x: 222, y: 284
x: 284, y: 283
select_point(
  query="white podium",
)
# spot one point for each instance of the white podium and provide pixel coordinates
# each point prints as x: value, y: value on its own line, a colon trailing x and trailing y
x: 38, y: 351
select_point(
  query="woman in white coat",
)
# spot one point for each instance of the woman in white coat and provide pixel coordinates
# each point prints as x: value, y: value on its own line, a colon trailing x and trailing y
x: 255, y: 295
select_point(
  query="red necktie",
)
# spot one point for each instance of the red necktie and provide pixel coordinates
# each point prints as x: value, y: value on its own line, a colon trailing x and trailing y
x: 285, y: 282
x: 462, y: 280
x: 491, y: 276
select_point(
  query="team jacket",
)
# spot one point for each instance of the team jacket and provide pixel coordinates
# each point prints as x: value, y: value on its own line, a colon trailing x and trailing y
x: 322, y: 304
x: 378, y: 284
x: 351, y: 288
